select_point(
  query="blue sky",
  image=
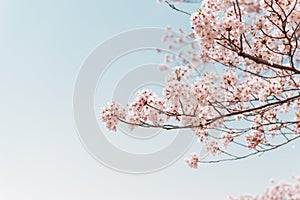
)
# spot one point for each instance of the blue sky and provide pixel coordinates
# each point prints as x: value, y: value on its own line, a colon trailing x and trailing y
x: 43, y: 44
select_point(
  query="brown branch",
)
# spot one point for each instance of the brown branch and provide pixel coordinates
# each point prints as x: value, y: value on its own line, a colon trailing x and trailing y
x: 262, y: 61
x: 176, y: 9
x: 251, y: 154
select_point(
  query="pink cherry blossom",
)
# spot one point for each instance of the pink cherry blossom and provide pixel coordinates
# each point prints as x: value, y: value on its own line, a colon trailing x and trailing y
x: 281, y: 190
x: 192, y: 161
x: 252, y: 99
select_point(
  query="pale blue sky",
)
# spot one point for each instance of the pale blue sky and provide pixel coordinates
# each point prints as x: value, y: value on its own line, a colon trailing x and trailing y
x: 42, y: 46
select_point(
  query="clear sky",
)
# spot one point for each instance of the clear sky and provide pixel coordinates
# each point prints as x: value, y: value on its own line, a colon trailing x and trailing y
x: 42, y: 46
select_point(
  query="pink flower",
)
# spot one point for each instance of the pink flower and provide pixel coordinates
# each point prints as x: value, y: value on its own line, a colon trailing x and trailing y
x: 192, y: 161
x: 254, y: 139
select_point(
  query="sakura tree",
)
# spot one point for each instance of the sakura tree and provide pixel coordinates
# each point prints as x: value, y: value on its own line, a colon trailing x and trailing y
x: 252, y: 101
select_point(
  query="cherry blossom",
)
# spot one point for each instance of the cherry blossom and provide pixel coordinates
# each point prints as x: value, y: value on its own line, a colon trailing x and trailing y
x: 280, y: 191
x: 192, y: 161
x: 111, y: 114
x: 252, y: 100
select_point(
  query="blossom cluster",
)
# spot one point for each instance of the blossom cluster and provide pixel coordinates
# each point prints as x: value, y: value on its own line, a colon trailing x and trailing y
x: 111, y: 114
x: 280, y: 191
x: 192, y: 161
x: 265, y: 29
